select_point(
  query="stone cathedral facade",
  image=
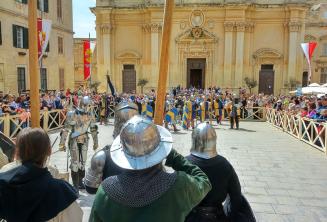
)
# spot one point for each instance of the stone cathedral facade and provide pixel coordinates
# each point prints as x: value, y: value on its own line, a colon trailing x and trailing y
x: 214, y: 42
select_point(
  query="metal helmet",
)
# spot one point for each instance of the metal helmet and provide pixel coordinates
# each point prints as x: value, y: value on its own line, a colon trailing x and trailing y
x: 123, y: 112
x: 204, y: 141
x: 141, y: 144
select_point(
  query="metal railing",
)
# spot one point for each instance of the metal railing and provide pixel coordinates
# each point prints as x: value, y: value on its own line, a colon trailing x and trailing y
x: 307, y: 130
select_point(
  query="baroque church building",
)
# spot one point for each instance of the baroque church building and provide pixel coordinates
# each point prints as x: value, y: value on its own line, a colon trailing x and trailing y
x: 214, y: 43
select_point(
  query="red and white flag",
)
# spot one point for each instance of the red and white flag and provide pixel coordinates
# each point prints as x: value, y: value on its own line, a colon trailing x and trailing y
x: 308, y: 49
x: 43, y: 31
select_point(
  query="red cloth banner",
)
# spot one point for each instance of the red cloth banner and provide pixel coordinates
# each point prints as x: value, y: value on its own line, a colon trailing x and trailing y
x: 308, y: 49
x: 87, y: 59
x: 43, y: 31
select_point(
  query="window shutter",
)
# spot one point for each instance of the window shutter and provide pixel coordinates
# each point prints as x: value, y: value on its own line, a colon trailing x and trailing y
x: 25, y: 38
x: 46, y: 5
x: 14, y: 35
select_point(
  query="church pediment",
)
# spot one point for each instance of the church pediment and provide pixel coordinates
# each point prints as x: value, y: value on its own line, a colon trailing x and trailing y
x: 128, y: 55
x: 196, y: 33
x: 267, y: 53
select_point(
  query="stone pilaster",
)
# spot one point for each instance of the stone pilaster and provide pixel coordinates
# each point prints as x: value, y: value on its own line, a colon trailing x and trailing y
x: 229, y: 28
x: 294, y: 28
x: 240, y: 29
x: 155, y: 29
x: 106, y: 31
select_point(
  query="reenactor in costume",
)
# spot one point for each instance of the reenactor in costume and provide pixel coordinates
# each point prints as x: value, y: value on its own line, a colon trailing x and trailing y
x: 80, y: 120
x: 170, y: 113
x: 224, y: 180
x: 234, y: 114
x: 219, y: 108
x: 101, y: 163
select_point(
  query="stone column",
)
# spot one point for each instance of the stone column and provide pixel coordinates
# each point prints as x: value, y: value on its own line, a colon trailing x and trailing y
x: 106, y: 30
x: 155, y: 29
x: 240, y: 28
x: 294, y: 28
x: 228, y: 57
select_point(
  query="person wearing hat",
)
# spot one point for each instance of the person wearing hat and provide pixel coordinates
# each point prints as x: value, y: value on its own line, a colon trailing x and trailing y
x: 145, y: 191
x: 221, y: 174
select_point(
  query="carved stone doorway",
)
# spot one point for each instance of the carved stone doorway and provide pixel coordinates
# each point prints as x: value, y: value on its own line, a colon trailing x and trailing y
x: 267, y: 79
x: 196, y: 73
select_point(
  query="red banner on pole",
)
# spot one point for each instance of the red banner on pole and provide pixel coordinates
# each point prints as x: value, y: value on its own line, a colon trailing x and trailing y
x: 87, y: 60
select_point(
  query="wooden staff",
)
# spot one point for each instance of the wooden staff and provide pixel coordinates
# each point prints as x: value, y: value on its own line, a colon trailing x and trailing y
x: 164, y: 62
x: 33, y: 64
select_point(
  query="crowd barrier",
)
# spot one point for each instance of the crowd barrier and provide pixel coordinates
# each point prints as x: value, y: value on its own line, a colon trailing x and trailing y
x: 307, y: 130
x: 11, y: 125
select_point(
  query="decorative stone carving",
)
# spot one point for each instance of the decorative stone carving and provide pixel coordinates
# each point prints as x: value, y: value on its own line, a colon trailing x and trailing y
x: 183, y: 25
x: 106, y: 29
x: 197, y: 18
x: 197, y: 32
x: 156, y: 27
x: 309, y: 38
x: 249, y: 26
x: 240, y: 26
x: 152, y: 27
x: 211, y: 24
x: 229, y: 26
x: 267, y: 53
x: 295, y: 26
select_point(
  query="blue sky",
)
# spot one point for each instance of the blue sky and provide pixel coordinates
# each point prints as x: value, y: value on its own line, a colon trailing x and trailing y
x: 83, y: 18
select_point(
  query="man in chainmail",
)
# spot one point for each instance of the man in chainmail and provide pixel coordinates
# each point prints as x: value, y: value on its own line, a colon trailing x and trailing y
x: 101, y: 163
x: 145, y: 191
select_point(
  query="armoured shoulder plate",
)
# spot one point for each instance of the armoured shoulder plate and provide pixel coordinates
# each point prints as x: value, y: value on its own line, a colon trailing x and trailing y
x: 94, y: 174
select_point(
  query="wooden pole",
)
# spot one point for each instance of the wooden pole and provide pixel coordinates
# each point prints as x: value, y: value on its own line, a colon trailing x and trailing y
x: 164, y: 62
x: 33, y: 64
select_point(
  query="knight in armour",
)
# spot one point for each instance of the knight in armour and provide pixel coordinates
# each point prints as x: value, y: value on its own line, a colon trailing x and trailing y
x: 78, y: 123
x: 101, y: 164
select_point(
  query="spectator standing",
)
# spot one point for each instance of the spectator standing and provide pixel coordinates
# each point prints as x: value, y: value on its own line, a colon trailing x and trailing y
x: 145, y: 192
x: 28, y: 192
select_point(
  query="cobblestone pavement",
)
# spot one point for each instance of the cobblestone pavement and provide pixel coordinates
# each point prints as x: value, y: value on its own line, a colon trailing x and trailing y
x: 284, y: 179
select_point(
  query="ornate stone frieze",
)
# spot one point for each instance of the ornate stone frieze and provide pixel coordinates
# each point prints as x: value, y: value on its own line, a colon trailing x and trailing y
x: 240, y: 26
x: 229, y: 26
x: 152, y: 27
x: 295, y: 26
x: 249, y: 26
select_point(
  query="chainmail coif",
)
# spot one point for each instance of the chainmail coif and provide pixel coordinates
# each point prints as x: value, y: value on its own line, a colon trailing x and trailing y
x: 139, y: 188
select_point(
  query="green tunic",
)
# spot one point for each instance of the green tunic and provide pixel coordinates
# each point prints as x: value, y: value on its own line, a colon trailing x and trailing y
x: 190, y: 187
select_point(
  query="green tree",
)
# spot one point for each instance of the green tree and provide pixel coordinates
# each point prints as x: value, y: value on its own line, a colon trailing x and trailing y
x: 250, y: 83
x: 142, y: 83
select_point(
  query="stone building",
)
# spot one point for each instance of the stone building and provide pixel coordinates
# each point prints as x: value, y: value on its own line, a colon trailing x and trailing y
x: 214, y: 42
x: 79, y: 62
x: 58, y: 63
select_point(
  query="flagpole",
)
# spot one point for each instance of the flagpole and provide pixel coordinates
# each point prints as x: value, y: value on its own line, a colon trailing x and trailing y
x: 164, y: 62
x: 33, y: 63
x: 90, y: 78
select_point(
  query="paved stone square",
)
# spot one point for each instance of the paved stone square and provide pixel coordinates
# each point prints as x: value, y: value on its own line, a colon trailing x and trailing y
x: 284, y: 179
